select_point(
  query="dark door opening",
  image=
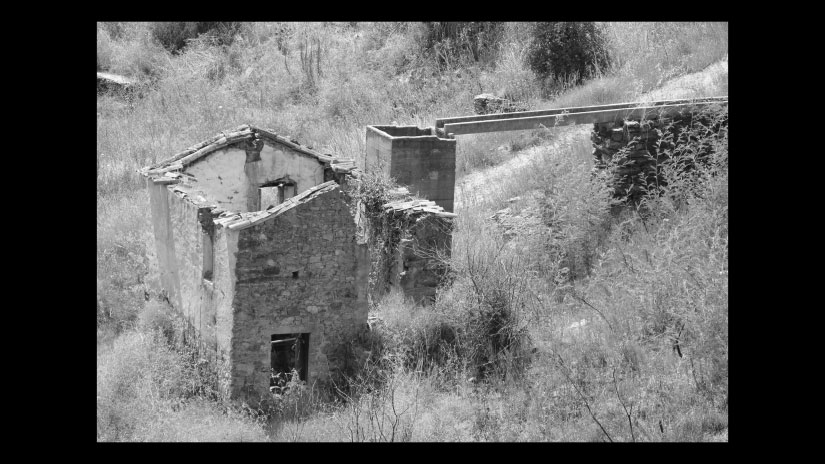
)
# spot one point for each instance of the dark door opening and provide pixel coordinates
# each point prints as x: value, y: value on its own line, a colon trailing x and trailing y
x: 289, y: 352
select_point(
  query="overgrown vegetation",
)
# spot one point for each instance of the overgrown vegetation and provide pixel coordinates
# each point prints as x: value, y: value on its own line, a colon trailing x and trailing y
x: 382, y: 232
x: 569, y: 52
x: 452, y: 42
x: 579, y: 321
x: 150, y: 389
x: 175, y: 35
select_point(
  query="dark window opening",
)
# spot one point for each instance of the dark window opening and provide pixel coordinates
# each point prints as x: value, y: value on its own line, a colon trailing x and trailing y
x: 289, y: 353
x: 208, y: 253
x: 275, y: 193
x: 295, y: 275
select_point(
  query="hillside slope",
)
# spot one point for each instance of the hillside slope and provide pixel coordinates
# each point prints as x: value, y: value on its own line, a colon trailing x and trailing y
x: 710, y: 82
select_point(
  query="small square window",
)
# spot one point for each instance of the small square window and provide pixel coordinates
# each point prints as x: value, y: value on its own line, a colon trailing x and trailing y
x: 275, y: 193
x: 270, y: 196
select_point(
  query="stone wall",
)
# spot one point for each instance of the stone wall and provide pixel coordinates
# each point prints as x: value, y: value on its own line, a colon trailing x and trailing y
x: 639, y: 148
x: 417, y: 159
x: 177, y: 256
x: 410, y: 243
x: 488, y: 103
x: 299, y: 268
x: 422, y: 252
x: 298, y: 272
x: 633, y: 142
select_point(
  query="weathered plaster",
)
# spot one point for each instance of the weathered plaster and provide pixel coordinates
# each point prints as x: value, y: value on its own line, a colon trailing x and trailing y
x: 226, y: 246
x: 221, y: 176
x: 164, y: 240
x: 232, y: 182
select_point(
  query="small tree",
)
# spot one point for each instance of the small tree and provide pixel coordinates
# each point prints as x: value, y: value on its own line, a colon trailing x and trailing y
x: 568, y: 51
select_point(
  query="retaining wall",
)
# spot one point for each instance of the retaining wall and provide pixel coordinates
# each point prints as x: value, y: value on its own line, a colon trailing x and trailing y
x: 638, y: 149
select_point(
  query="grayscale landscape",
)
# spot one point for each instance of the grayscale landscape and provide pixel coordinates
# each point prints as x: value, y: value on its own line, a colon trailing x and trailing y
x: 412, y: 232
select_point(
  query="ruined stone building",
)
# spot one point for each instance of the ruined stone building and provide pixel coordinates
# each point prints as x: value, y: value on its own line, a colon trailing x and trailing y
x: 270, y: 264
x: 425, y: 165
x: 257, y: 248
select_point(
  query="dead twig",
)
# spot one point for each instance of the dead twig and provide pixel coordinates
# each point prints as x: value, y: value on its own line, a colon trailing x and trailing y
x: 582, y: 300
x: 581, y: 395
x: 627, y: 413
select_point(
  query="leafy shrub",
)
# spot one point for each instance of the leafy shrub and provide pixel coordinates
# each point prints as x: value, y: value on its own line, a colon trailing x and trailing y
x: 174, y: 35
x: 512, y: 77
x: 577, y: 208
x: 486, y: 308
x: 568, y: 51
x: 696, y: 151
x: 416, y: 336
x: 121, y: 260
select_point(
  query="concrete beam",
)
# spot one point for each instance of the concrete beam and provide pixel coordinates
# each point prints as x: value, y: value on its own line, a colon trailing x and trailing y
x: 441, y: 122
x: 559, y: 119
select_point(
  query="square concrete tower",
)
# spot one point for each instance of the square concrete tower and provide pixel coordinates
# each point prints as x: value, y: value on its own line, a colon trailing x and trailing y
x: 417, y: 158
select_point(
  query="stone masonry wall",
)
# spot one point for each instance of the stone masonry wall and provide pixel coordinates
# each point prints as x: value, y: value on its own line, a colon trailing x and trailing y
x: 640, y: 148
x: 299, y: 272
x: 420, y: 263
x: 635, y: 142
x: 488, y: 103
x: 409, y: 250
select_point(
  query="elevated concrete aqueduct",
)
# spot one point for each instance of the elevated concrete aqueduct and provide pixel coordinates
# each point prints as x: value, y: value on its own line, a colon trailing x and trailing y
x: 263, y: 257
x: 631, y: 130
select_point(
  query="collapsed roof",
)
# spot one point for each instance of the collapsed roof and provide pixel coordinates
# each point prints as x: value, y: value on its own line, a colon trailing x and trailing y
x: 172, y: 171
x: 241, y: 134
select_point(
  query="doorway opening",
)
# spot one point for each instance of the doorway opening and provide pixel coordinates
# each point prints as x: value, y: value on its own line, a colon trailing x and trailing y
x: 289, y: 356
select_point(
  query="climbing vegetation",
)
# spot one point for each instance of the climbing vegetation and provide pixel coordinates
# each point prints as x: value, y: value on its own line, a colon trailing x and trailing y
x: 577, y: 321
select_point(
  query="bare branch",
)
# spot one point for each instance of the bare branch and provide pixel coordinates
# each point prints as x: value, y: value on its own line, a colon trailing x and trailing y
x: 581, y: 299
x: 581, y: 395
x: 629, y: 420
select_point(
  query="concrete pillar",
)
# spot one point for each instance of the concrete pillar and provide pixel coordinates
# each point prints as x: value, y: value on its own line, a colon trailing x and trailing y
x: 416, y: 158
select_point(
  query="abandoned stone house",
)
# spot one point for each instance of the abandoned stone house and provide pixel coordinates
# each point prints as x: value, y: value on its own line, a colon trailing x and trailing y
x: 257, y: 247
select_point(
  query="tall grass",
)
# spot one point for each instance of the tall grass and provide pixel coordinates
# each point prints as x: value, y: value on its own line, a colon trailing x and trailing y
x: 646, y: 56
x: 148, y: 391
x: 497, y: 357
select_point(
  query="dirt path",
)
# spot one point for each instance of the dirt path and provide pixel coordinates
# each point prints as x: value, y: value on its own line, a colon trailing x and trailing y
x: 476, y: 181
x: 710, y: 82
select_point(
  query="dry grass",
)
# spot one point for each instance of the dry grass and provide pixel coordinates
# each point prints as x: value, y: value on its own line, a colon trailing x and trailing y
x: 641, y: 277
x: 146, y: 391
